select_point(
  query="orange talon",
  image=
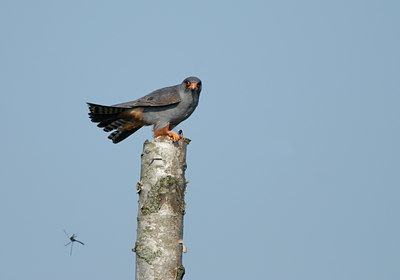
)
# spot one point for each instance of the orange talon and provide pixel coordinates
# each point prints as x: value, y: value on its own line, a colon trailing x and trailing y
x: 166, y: 132
x: 174, y: 135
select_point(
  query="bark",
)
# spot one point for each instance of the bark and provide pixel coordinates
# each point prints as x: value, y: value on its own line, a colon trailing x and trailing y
x: 161, y: 190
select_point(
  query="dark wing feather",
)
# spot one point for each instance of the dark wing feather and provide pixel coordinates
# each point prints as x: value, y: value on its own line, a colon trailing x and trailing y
x: 160, y: 97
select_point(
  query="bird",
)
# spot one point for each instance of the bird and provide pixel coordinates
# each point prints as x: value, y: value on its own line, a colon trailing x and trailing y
x: 164, y: 108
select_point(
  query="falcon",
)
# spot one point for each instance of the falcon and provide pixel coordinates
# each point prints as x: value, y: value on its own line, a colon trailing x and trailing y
x: 164, y: 108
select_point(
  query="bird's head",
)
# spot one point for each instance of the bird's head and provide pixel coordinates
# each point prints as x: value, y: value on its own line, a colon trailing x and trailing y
x: 192, y: 84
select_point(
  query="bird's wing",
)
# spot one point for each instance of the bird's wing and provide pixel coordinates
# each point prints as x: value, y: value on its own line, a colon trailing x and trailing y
x: 160, y: 97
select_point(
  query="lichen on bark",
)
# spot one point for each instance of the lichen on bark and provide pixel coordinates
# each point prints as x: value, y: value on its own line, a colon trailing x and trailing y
x: 146, y: 253
x: 165, y: 186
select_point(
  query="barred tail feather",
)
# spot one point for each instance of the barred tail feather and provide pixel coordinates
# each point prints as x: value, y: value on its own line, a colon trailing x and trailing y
x: 120, y: 134
x: 110, y: 118
x: 101, y: 113
x: 104, y: 110
x: 113, y: 124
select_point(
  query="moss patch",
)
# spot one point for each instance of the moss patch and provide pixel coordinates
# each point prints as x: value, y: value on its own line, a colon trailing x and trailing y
x: 154, y: 196
x: 146, y: 253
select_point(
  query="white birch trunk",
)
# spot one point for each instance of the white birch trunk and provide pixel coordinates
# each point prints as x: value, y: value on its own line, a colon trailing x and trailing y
x: 162, y: 188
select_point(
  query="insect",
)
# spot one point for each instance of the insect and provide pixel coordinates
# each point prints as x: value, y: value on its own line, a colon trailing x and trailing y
x: 72, y: 240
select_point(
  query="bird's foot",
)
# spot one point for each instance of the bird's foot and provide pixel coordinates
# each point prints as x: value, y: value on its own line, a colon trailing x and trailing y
x: 174, y: 136
x: 166, y: 132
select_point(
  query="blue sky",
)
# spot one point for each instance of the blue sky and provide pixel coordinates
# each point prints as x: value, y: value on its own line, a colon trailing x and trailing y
x: 294, y: 160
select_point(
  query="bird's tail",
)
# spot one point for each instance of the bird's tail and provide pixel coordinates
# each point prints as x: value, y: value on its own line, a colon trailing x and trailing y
x: 110, y: 118
x: 121, y: 133
x: 103, y: 114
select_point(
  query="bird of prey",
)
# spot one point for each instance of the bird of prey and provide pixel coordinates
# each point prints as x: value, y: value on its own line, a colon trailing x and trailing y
x: 164, y: 109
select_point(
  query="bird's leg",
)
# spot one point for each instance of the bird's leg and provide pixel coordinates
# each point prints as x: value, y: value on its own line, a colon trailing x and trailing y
x: 174, y: 135
x: 166, y: 132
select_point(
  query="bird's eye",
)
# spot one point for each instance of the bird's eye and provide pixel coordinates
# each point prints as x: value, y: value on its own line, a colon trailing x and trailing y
x: 187, y: 83
x: 199, y: 84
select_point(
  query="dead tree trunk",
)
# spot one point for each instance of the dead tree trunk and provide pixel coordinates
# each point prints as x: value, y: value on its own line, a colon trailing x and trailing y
x: 161, y: 189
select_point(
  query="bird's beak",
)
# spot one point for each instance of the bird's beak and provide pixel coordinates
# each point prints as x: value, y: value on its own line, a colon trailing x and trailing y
x: 193, y: 86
